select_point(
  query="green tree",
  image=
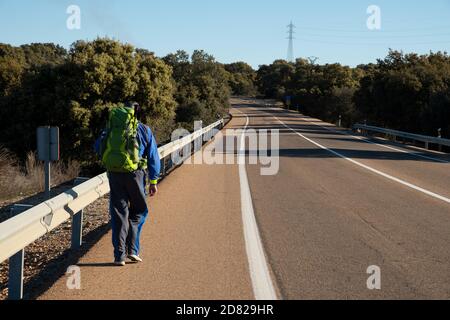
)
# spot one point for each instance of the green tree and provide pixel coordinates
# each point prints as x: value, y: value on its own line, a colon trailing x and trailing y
x: 202, y: 87
x: 275, y: 80
x: 38, y: 54
x: 12, y: 65
x: 242, y: 79
x: 407, y: 92
x: 74, y: 95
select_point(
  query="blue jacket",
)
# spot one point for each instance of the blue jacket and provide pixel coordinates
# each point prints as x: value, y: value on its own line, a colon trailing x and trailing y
x: 147, y: 148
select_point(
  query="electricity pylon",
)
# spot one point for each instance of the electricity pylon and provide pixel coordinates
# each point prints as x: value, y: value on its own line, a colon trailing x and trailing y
x: 290, y: 53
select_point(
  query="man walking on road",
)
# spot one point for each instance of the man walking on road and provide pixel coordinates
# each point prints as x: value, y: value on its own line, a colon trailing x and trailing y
x: 129, y: 152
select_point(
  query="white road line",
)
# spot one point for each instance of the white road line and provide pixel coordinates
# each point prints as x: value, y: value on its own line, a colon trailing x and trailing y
x: 409, y: 185
x: 378, y: 144
x: 263, y: 288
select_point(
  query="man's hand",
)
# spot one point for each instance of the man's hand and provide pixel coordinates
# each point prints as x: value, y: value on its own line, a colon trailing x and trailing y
x: 153, y: 190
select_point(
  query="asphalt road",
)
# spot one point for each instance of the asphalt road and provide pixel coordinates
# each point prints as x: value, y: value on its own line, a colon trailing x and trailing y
x: 338, y: 205
x: 324, y: 219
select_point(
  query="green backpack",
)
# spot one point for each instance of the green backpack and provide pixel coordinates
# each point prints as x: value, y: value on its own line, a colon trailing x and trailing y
x: 121, y: 146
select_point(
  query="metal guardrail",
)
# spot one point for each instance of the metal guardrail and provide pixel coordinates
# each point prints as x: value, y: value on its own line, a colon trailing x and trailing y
x: 25, y: 228
x: 405, y: 135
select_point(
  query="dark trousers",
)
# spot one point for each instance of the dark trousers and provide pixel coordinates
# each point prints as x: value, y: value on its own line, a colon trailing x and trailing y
x: 128, y: 209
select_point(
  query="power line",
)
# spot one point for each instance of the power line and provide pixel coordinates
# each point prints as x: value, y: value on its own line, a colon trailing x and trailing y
x: 385, y: 30
x: 373, y: 34
x: 356, y: 43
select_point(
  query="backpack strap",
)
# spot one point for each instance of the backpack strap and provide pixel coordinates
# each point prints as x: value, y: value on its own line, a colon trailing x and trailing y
x: 143, y: 163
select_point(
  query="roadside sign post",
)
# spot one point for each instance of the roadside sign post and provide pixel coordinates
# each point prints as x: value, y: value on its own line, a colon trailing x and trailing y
x: 47, y: 173
x: 288, y: 102
x: 48, y: 151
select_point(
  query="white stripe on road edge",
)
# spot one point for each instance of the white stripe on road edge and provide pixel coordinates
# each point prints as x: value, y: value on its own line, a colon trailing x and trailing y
x: 378, y: 144
x: 263, y: 288
x: 410, y: 185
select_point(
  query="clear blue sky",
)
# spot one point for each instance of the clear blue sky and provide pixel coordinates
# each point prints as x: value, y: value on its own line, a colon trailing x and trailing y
x: 232, y: 30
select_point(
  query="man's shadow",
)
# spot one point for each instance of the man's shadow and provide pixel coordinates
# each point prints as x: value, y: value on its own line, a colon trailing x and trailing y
x: 102, y: 264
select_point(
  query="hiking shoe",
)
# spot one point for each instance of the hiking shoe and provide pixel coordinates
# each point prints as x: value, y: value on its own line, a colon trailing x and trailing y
x: 135, y: 258
x: 119, y: 263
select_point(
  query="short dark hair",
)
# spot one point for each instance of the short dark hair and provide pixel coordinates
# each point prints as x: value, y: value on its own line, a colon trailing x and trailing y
x: 137, y: 108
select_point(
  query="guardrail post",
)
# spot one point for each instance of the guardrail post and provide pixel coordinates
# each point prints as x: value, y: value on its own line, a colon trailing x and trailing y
x: 440, y: 137
x: 163, y: 167
x: 77, y: 230
x: 16, y: 263
x: 169, y: 163
x: 15, y: 282
x: 77, y: 222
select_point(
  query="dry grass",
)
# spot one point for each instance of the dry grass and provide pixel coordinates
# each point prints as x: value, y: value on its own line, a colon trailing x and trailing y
x: 16, y: 181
